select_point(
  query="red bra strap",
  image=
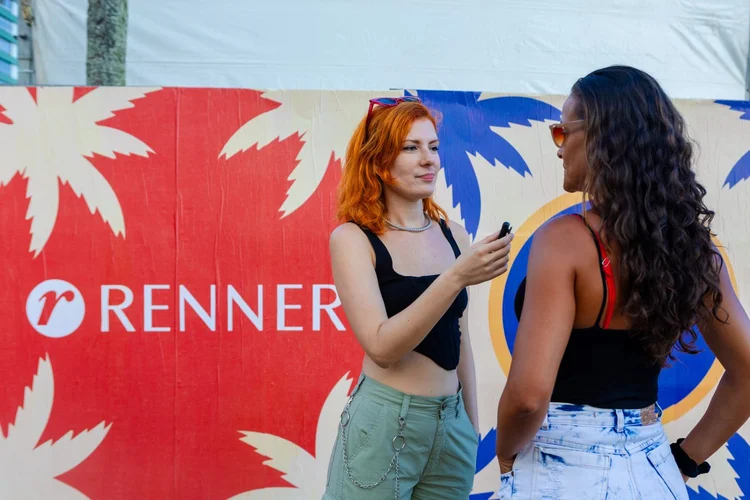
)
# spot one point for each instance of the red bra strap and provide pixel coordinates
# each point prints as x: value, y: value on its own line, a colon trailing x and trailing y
x: 609, y: 277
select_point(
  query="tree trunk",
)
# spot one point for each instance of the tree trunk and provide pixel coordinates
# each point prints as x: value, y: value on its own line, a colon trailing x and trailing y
x: 107, y: 28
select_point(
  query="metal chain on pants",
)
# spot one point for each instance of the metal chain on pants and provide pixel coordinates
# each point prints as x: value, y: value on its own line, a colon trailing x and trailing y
x: 345, y: 416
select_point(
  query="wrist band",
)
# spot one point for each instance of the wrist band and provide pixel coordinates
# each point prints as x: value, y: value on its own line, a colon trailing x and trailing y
x: 686, y: 464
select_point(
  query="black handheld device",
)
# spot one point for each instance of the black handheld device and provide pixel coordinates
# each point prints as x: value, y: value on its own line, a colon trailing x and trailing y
x: 505, y: 229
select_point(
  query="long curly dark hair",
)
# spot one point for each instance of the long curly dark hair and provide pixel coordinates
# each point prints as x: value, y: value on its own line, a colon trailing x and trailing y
x: 641, y: 183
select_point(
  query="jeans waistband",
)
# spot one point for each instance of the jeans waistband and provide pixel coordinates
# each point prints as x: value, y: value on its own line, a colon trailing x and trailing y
x: 589, y: 416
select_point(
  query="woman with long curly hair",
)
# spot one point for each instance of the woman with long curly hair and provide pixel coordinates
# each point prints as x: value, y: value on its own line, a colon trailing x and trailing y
x: 609, y: 295
x: 409, y: 429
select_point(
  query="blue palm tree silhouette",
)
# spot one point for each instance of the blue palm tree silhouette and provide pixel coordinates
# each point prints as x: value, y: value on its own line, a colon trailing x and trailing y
x: 465, y: 129
x: 741, y: 169
x: 740, y: 450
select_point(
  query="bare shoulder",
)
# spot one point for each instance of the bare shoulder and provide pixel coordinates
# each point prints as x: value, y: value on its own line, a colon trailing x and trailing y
x: 346, y: 233
x: 565, y: 236
x: 349, y: 237
x: 460, y: 235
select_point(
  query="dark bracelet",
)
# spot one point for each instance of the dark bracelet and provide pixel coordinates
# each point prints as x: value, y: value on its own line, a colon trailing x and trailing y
x: 686, y: 464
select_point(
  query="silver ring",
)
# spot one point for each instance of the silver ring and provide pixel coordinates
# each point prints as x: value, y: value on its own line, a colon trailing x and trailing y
x: 344, y: 414
x: 403, y: 442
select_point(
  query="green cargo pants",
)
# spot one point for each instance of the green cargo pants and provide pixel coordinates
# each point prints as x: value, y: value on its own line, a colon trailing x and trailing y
x: 393, y: 445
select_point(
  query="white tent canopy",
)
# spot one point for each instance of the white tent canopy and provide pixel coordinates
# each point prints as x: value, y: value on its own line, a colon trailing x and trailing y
x: 695, y: 48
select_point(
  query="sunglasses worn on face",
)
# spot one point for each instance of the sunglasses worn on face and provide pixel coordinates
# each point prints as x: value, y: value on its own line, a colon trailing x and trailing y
x: 561, y: 130
x: 388, y: 102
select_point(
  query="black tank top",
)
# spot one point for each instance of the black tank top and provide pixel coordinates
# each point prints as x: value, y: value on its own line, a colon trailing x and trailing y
x: 603, y: 367
x: 443, y: 344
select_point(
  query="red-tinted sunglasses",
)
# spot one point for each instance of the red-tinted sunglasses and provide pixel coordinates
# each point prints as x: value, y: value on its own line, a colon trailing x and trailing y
x: 388, y: 102
x: 561, y: 130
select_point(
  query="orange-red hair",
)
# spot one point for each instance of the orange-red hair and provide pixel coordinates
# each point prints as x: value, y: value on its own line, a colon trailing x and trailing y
x: 361, y: 198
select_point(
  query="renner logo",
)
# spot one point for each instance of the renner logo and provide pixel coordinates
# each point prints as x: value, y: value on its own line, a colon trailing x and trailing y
x: 55, y: 308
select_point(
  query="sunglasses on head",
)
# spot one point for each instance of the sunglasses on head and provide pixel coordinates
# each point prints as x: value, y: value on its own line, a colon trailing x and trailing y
x: 561, y: 130
x: 388, y: 102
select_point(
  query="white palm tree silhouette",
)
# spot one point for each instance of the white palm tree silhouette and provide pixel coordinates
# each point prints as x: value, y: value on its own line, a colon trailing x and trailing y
x: 305, y: 472
x: 50, y: 139
x: 28, y: 470
x: 323, y: 120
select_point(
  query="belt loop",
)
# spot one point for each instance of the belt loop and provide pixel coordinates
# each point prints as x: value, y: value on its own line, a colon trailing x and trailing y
x: 620, y: 420
x: 459, y: 398
x: 545, y: 423
x: 658, y: 410
x: 359, y: 384
x: 405, y: 407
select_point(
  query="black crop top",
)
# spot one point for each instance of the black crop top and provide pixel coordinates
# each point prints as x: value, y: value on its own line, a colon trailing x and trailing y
x: 443, y: 344
x: 603, y: 367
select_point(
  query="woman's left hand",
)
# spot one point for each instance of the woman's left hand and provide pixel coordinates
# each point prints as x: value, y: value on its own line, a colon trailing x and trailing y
x: 506, y: 464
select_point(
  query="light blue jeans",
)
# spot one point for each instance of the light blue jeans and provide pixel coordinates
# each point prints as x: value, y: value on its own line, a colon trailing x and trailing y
x: 583, y: 453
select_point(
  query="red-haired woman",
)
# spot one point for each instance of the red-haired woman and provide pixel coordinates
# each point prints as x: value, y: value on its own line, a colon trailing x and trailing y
x: 409, y: 430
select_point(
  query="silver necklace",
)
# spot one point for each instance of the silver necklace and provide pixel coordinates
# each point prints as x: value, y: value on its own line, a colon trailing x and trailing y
x: 411, y: 229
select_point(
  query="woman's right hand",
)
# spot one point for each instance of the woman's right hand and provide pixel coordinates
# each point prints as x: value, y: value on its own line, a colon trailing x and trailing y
x: 484, y: 260
x: 506, y: 465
